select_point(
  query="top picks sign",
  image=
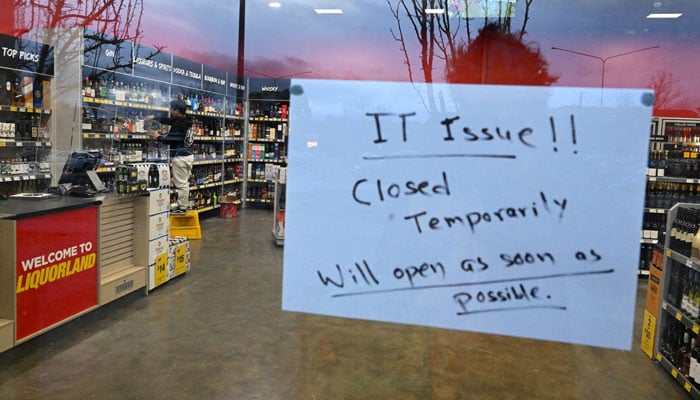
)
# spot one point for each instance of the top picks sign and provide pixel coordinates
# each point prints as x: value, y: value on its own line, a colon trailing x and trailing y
x: 501, y: 209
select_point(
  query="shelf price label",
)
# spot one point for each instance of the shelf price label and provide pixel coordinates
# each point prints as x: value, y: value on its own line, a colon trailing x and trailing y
x: 679, y: 316
x: 668, y: 252
x: 659, y: 357
x: 160, y: 275
x: 696, y: 329
x: 689, y: 263
x: 687, y: 386
x: 674, y: 372
x: 180, y: 259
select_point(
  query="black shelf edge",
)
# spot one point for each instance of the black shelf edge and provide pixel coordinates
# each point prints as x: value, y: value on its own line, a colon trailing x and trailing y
x: 678, y: 376
x: 680, y: 317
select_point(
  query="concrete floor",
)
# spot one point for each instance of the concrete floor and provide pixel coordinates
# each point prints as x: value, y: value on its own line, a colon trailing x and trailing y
x: 219, y: 333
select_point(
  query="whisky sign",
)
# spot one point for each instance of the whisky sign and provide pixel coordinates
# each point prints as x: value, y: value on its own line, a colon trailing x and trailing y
x: 510, y: 210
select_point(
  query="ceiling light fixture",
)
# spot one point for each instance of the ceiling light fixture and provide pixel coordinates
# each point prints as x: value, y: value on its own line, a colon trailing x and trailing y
x: 328, y: 10
x: 274, y: 4
x: 434, y: 10
x: 664, y: 15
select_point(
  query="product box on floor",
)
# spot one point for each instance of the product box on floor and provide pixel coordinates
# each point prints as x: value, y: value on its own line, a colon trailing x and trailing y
x: 229, y: 206
x: 169, y: 265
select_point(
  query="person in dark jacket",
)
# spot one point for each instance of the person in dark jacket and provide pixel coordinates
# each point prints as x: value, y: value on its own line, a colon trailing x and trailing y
x: 181, y: 156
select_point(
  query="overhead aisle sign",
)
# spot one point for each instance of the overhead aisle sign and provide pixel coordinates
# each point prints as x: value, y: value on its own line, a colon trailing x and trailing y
x: 509, y: 210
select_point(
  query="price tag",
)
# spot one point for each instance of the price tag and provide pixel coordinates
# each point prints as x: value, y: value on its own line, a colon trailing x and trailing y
x: 160, y: 275
x: 15, y: 178
x: 659, y: 357
x: 663, y: 305
x: 668, y: 253
x: 38, y: 144
x: 687, y: 387
x: 652, y: 179
x: 180, y: 259
x: 3, y: 144
x: 674, y: 372
x: 696, y: 329
x: 19, y: 144
x: 22, y: 109
x: 13, y: 109
x: 689, y: 263
x: 679, y: 316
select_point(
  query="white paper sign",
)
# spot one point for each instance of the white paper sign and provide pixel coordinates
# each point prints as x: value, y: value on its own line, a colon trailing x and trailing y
x: 502, y: 209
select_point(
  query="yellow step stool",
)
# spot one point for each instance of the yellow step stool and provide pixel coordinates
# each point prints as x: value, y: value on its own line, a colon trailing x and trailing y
x: 186, y: 225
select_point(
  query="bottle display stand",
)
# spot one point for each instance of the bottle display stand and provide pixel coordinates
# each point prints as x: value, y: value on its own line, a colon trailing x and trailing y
x: 678, y: 326
x: 25, y: 117
x: 673, y: 176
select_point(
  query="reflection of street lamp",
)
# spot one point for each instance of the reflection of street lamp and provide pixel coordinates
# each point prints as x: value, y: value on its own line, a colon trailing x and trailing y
x: 603, y: 60
x: 275, y: 78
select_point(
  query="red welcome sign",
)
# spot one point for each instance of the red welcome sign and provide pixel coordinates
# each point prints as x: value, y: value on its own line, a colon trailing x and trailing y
x: 56, y: 270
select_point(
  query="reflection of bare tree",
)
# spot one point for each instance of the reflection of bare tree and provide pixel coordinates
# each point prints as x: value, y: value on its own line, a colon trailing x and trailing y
x: 114, y: 22
x: 119, y: 18
x: 60, y: 23
x: 668, y: 93
x: 439, y: 35
x: 498, y: 57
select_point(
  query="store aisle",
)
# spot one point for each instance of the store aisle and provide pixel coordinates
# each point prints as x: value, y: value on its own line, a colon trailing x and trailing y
x: 219, y: 333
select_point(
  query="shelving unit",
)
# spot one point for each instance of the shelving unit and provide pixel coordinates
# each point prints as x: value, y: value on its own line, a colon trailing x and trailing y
x: 266, y: 139
x: 674, y: 144
x: 675, y: 326
x: 119, y: 91
x: 25, y: 116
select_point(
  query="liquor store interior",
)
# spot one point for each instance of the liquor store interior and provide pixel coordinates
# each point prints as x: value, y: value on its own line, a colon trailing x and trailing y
x: 330, y: 199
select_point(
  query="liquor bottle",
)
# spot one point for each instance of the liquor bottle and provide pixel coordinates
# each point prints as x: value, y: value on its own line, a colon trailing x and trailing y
x: 695, y: 247
x: 8, y: 95
x: 688, y: 293
x: 673, y: 244
x: 695, y: 298
x: 17, y: 96
x: 87, y: 87
x: 112, y: 90
x: 694, y: 357
x: 682, y: 355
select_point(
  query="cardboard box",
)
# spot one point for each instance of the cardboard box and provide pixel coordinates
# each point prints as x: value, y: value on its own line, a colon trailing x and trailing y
x: 158, y: 273
x: 158, y: 226
x: 156, y: 247
x: 228, y: 210
x: 228, y: 198
x: 179, y: 256
x: 159, y: 201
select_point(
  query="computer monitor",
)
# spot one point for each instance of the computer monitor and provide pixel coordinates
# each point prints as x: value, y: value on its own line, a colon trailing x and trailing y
x: 79, y: 170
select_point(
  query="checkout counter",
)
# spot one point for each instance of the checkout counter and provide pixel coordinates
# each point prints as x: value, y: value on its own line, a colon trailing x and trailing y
x: 61, y: 257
